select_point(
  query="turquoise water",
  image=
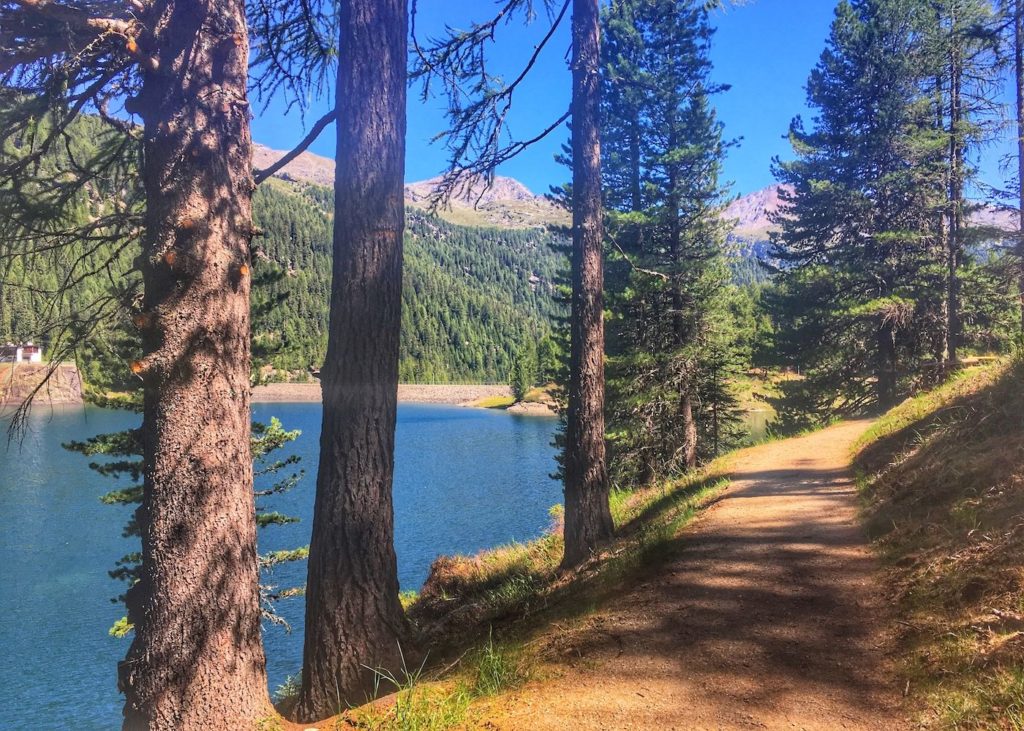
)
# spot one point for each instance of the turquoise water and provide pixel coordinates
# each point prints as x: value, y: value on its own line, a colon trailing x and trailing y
x: 465, y: 479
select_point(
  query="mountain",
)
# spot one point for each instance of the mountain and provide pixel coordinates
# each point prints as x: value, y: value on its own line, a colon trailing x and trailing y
x: 307, y: 167
x: 753, y: 213
x: 505, y: 203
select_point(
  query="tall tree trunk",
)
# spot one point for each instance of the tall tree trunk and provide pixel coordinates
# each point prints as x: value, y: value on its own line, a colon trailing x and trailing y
x: 689, y: 430
x: 354, y: 620
x: 940, y: 343
x: 715, y: 428
x: 679, y: 329
x: 1018, y: 47
x: 588, y: 518
x: 954, y: 248
x: 886, y: 375
x: 196, y: 661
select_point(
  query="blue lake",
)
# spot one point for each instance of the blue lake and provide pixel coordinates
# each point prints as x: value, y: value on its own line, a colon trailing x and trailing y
x: 465, y: 480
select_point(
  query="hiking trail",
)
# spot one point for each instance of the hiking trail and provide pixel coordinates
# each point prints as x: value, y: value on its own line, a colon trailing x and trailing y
x: 772, y: 615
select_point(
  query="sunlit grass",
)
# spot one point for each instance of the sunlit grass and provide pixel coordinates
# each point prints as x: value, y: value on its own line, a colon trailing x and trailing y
x: 495, y: 402
x: 520, y: 578
x: 414, y: 703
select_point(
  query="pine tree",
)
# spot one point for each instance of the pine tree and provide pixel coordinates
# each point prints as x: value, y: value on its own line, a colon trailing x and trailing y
x: 857, y: 221
x: 667, y: 235
x: 196, y: 660
x: 961, y: 45
x: 588, y: 519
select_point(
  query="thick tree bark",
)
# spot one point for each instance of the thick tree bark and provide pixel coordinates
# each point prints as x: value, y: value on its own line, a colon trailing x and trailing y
x: 353, y: 616
x: 196, y: 661
x: 1018, y: 48
x: 588, y: 519
x: 689, y: 430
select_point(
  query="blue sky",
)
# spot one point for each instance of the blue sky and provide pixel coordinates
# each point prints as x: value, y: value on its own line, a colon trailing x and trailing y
x: 764, y: 48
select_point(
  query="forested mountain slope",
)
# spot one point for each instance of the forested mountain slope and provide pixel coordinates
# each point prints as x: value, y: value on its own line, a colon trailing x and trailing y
x: 473, y: 296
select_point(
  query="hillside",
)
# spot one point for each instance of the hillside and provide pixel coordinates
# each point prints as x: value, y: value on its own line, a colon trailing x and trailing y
x: 472, y: 296
x: 943, y: 497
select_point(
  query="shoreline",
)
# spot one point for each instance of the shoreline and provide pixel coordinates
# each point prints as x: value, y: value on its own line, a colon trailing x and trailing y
x: 451, y: 394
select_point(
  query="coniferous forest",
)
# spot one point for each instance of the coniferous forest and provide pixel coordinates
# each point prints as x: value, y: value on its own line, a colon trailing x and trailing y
x: 472, y: 297
x: 858, y: 563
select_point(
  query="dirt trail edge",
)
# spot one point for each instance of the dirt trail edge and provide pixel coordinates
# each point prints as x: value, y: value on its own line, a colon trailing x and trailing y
x: 771, y: 616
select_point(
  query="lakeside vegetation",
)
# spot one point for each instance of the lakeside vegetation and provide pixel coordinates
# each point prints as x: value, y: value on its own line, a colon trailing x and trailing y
x: 481, y: 613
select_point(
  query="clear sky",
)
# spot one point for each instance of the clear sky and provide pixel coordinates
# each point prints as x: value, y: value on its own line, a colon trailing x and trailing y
x: 764, y: 49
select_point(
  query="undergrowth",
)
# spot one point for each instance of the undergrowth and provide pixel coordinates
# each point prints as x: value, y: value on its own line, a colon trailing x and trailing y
x: 417, y: 705
x: 520, y: 579
x: 469, y: 602
x: 943, y: 492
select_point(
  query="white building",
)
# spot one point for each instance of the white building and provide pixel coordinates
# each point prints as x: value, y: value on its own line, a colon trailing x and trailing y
x: 23, y: 353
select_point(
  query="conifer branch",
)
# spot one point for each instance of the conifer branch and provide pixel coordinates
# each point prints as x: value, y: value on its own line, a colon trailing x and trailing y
x: 260, y: 176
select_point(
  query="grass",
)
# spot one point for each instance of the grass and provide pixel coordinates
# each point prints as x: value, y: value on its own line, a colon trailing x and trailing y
x: 537, y: 395
x: 419, y: 705
x: 495, y: 402
x: 756, y: 389
x: 541, y: 394
x: 497, y: 670
x: 520, y: 579
x: 942, y: 485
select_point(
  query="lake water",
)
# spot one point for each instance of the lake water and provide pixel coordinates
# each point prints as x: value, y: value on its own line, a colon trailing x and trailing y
x: 465, y: 479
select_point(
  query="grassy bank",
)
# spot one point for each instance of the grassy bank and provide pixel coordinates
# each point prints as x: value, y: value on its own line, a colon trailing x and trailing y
x: 943, y: 490
x: 476, y: 616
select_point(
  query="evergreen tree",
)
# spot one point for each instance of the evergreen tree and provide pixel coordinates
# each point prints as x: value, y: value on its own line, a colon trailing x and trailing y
x: 196, y: 660
x: 672, y: 355
x: 961, y: 46
x: 588, y: 519
x: 525, y: 370
x: 858, y: 215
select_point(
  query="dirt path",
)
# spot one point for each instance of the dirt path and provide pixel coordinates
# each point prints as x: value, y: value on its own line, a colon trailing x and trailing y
x: 770, y: 617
